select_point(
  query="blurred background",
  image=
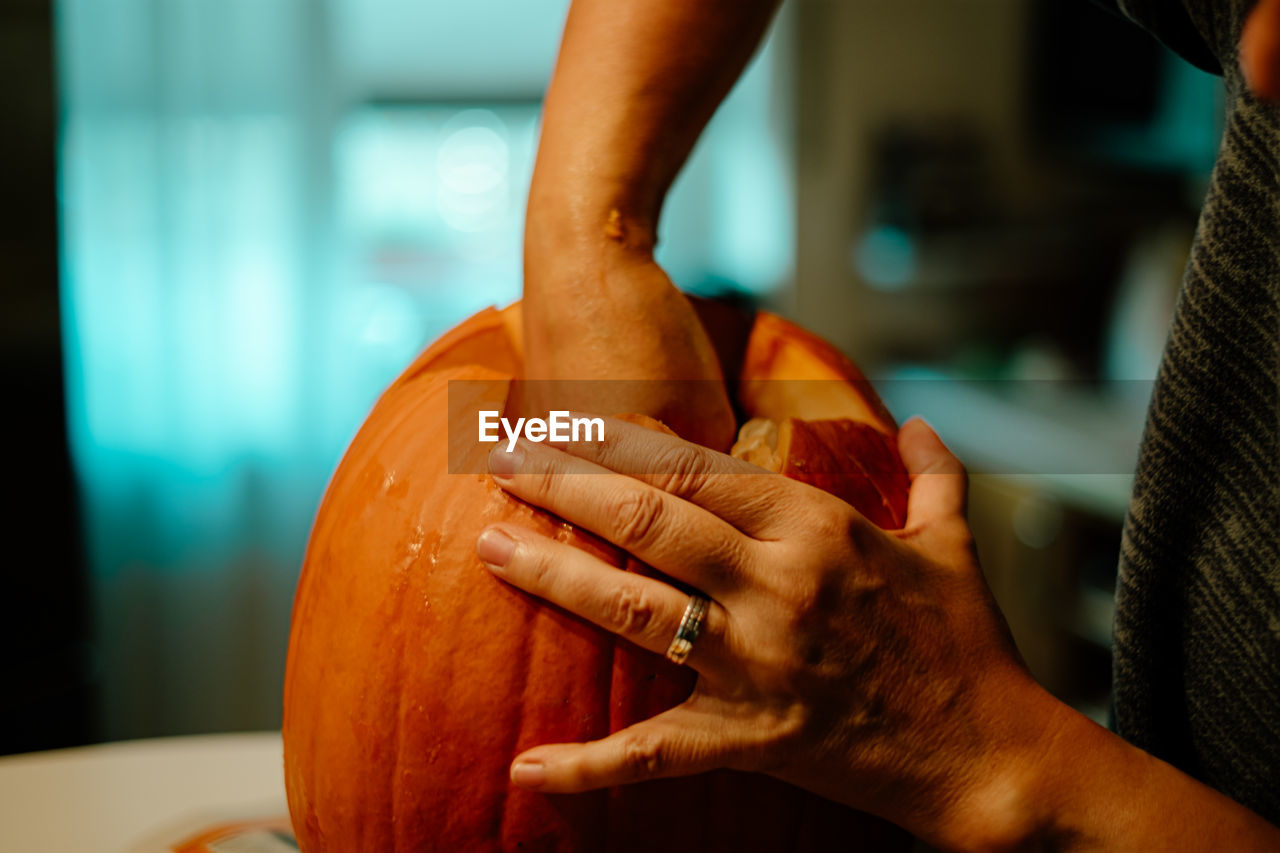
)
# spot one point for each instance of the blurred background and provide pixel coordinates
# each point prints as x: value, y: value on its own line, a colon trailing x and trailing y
x: 230, y: 223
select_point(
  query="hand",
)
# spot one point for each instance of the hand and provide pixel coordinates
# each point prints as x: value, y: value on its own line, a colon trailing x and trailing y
x: 869, y: 667
x: 601, y: 311
x: 612, y: 316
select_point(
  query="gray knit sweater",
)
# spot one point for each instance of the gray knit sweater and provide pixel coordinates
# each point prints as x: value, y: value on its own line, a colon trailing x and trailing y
x: 1197, y: 632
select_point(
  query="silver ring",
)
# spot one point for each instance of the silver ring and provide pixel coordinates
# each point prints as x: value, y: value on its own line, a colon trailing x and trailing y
x: 695, y: 616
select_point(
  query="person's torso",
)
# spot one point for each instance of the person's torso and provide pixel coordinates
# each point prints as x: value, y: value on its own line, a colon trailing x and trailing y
x: 1197, y: 635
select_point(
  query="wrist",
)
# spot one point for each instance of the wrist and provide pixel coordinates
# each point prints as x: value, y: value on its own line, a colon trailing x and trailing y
x: 1014, y: 795
x: 585, y: 216
x: 1077, y: 786
x: 583, y: 250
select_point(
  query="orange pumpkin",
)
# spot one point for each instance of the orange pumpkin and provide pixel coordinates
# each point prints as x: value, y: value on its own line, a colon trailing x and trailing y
x: 414, y: 676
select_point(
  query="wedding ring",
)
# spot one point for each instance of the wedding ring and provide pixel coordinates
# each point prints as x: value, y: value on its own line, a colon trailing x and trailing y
x: 695, y: 615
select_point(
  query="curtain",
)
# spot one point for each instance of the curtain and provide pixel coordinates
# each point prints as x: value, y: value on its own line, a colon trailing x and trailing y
x: 198, y: 321
x: 267, y: 208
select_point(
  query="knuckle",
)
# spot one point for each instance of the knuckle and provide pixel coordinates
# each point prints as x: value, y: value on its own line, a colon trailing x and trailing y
x: 778, y: 736
x: 636, y: 515
x: 815, y: 608
x: 841, y: 522
x: 643, y: 756
x: 805, y: 601
x: 543, y: 486
x: 631, y: 611
x: 733, y: 561
x: 959, y: 536
x: 533, y: 565
x: 680, y: 472
x: 830, y: 522
x: 810, y: 611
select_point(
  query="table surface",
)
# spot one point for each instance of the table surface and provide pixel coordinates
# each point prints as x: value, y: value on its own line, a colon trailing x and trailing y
x: 134, y: 796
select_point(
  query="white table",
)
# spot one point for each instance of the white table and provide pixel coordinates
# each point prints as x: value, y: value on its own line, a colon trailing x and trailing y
x: 132, y: 796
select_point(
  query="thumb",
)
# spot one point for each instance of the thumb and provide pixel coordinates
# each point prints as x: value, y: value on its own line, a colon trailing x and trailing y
x: 678, y: 742
x: 939, y: 485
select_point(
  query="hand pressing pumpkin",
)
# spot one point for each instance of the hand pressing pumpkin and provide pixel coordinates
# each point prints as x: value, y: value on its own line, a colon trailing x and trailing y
x: 869, y: 667
x: 608, y: 313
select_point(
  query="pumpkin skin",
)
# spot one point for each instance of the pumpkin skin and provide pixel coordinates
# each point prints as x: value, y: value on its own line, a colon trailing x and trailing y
x: 414, y: 676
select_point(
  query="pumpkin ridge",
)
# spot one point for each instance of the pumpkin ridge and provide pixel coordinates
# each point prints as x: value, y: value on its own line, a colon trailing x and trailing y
x: 368, y: 451
x: 398, y: 792
x: 506, y: 808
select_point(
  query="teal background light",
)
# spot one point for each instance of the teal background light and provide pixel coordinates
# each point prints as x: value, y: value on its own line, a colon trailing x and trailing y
x: 193, y: 314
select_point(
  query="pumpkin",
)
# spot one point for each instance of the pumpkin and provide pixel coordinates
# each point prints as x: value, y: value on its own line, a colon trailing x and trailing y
x: 414, y: 676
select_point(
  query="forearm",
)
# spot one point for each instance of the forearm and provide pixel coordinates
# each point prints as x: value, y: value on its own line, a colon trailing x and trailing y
x: 1081, y: 787
x: 635, y: 83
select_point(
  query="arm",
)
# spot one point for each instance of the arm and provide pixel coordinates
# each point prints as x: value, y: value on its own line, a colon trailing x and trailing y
x: 635, y: 83
x: 869, y: 667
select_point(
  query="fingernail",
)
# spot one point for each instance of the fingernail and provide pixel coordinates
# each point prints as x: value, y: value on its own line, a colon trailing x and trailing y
x: 528, y: 774
x: 503, y: 464
x: 495, y: 547
x: 918, y: 419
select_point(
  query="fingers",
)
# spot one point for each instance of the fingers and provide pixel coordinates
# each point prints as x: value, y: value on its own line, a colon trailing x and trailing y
x: 939, y: 485
x: 673, y: 535
x: 678, y: 742
x: 742, y: 494
x: 643, y: 610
